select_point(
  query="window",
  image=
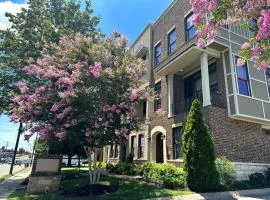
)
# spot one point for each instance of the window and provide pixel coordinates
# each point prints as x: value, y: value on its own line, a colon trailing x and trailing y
x: 116, y: 151
x: 243, y: 79
x: 132, y: 146
x: 190, y: 28
x: 268, y: 79
x: 141, y: 146
x: 157, y: 54
x: 144, y: 108
x: 157, y: 102
x: 171, y: 41
x: 177, y: 141
x: 111, y: 151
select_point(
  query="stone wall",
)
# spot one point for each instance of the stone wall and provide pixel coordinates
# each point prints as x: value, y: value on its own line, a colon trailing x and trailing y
x: 243, y: 170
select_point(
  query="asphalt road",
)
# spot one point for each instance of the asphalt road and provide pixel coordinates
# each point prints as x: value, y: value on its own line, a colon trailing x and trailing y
x: 4, y: 169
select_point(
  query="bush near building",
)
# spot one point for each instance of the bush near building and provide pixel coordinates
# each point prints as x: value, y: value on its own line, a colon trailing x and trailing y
x: 198, y: 150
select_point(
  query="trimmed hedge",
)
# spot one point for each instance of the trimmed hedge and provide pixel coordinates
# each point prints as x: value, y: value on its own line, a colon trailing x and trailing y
x: 166, y: 175
x: 122, y: 168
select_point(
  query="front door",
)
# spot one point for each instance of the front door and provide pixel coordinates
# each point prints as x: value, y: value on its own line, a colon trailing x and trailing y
x: 159, y: 149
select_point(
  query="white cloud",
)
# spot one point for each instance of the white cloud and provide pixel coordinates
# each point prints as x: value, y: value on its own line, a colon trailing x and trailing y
x: 9, y: 6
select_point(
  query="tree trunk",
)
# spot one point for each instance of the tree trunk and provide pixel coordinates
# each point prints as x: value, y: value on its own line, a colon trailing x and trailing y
x: 123, y: 150
x: 94, y: 172
x: 16, y: 148
x: 69, y: 161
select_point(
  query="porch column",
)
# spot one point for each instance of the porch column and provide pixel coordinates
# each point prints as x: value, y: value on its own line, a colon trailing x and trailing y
x: 205, y: 80
x: 170, y: 96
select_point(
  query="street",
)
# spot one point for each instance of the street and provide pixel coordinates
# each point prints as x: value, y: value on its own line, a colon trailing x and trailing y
x: 4, y: 169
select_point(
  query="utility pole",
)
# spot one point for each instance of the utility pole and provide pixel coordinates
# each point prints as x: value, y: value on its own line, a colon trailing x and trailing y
x: 20, y: 130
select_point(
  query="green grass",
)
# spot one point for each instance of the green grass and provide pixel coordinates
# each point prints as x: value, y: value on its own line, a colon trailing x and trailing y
x: 128, y: 189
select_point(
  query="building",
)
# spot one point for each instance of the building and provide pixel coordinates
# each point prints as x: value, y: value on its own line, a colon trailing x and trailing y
x: 236, y: 102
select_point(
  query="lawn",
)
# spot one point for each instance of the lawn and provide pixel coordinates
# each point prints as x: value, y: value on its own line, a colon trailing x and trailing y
x: 129, y: 189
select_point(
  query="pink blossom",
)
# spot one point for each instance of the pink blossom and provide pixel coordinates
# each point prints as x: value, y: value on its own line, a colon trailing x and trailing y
x: 95, y: 69
x: 198, y: 18
x: 261, y: 65
x: 105, y: 108
x: 61, y: 135
x: 200, y: 43
x: 96, y: 125
x: 106, y: 124
x: 246, y: 45
x: 41, y: 89
x: 113, y: 108
x: 64, y: 80
x: 54, y: 107
x: 240, y: 62
x: 134, y: 95
x: 60, y: 116
x: 22, y: 86
x: 118, y: 111
x: 124, y: 131
x: 67, y: 110
x: 263, y: 23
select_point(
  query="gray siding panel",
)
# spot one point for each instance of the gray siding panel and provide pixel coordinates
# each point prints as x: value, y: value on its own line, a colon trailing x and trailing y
x: 235, y: 48
x: 232, y: 105
x: 255, y: 73
x: 227, y: 62
x: 250, y: 107
x: 238, y: 39
x: 267, y: 110
x: 229, y: 82
x: 259, y: 90
x: 223, y: 33
x: 222, y: 41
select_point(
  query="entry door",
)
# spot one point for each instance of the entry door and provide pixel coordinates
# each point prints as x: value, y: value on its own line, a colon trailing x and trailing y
x: 159, y: 149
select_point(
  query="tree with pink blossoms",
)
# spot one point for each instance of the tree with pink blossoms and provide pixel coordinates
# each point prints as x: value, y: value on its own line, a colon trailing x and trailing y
x: 83, y: 86
x: 253, y: 15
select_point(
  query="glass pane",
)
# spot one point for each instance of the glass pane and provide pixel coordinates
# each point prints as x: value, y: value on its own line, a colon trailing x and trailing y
x: 157, y: 50
x: 189, y: 20
x: 243, y: 87
x: 173, y: 47
x: 213, y: 78
x: 242, y: 72
x: 192, y: 32
x: 198, y: 85
x: 172, y: 37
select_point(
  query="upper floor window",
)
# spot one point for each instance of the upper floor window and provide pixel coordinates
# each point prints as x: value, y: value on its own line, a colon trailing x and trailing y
x: 190, y: 28
x: 243, y: 79
x: 158, y: 54
x: 172, y: 41
x: 268, y: 79
x: 141, y: 146
x: 157, y: 102
x: 177, y: 141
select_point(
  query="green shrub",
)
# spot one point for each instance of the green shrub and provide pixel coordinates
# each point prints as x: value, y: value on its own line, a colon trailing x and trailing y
x: 257, y: 180
x: 125, y: 169
x: 198, y: 150
x: 129, y: 158
x: 110, y: 167
x: 227, y: 174
x: 167, y: 175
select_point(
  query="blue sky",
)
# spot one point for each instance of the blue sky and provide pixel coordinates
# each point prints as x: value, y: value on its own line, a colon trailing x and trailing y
x: 127, y: 16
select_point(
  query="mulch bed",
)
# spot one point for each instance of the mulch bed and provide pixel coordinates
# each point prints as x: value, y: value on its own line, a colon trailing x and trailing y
x: 92, y: 190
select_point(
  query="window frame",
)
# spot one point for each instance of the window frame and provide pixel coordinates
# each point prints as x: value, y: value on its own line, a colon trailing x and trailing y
x: 247, y: 81
x: 177, y: 146
x: 170, y: 43
x: 157, y: 57
x: 188, y: 29
x: 140, y: 147
x: 157, y: 101
x: 132, y: 145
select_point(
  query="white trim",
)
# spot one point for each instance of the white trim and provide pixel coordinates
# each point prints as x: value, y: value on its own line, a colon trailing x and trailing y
x: 226, y: 84
x: 187, y: 13
x: 158, y: 80
x: 257, y: 120
x: 159, y: 42
x: 174, y: 27
x: 205, y: 80
x: 177, y: 125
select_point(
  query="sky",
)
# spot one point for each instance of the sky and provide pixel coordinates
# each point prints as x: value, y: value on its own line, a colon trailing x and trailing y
x: 127, y: 16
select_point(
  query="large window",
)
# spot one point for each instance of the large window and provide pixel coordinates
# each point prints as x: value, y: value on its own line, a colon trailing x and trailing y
x: 141, y: 146
x: 190, y: 28
x: 115, y: 150
x: 171, y: 41
x: 243, y: 79
x: 268, y: 79
x: 157, y: 102
x: 177, y: 141
x: 111, y: 151
x: 157, y: 54
x: 132, y: 146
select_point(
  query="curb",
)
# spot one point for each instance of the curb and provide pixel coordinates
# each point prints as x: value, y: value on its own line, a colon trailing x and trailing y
x: 233, y: 195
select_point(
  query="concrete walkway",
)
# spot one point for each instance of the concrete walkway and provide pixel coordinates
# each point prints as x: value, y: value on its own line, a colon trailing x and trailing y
x: 8, y: 186
x: 258, y: 194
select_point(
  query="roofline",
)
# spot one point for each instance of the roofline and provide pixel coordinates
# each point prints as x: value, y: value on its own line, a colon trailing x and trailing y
x: 139, y: 37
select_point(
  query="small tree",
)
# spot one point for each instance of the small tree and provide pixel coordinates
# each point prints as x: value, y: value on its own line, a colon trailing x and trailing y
x: 198, y: 149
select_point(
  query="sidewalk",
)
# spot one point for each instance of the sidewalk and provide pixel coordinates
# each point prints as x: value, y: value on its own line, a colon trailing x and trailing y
x: 258, y: 194
x: 10, y: 185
